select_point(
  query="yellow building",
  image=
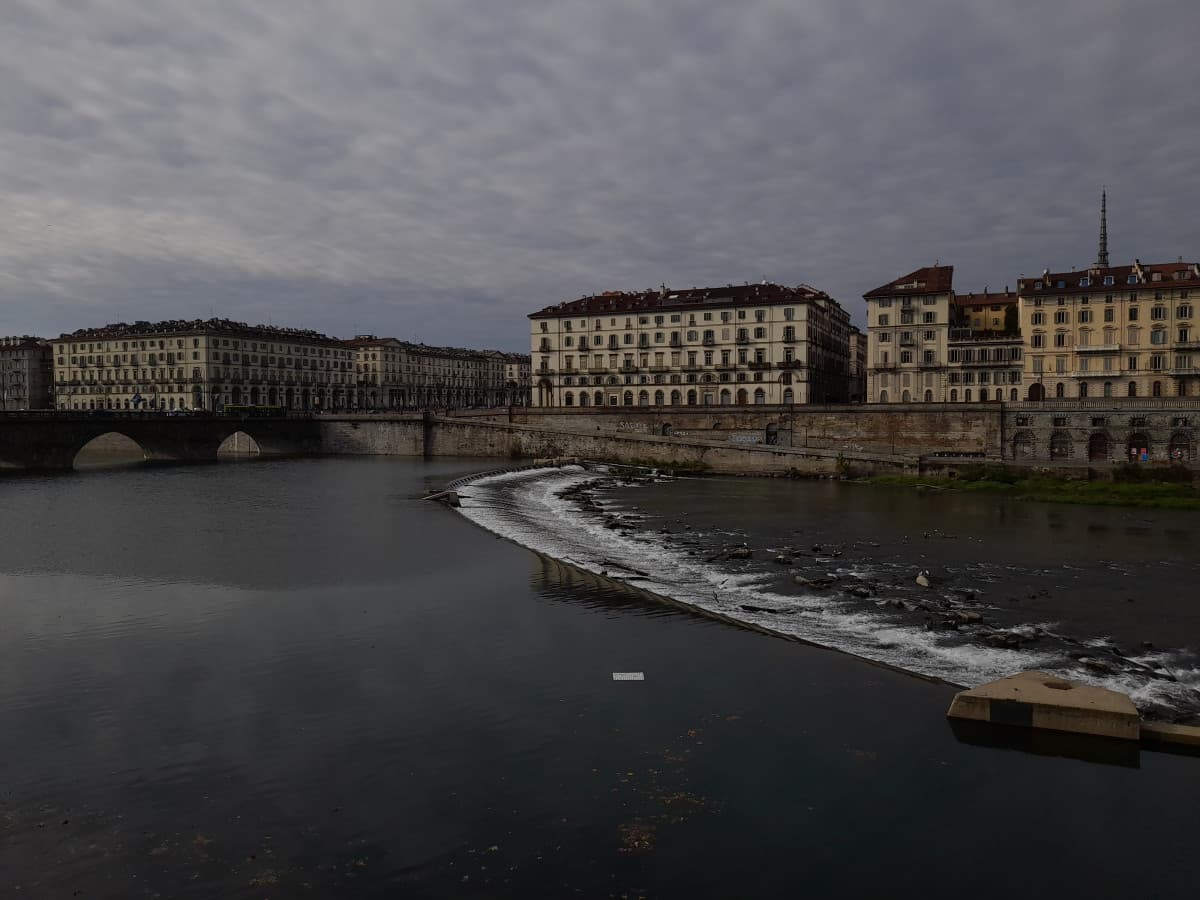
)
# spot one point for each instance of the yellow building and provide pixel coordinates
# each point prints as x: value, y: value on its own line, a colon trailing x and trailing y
x: 395, y: 374
x: 200, y: 364
x: 1112, y: 331
x: 732, y: 345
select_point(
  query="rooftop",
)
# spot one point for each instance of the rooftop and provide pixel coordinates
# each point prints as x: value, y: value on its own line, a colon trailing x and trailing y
x: 995, y: 298
x: 198, y: 326
x: 763, y: 294
x: 929, y: 280
x: 1179, y: 273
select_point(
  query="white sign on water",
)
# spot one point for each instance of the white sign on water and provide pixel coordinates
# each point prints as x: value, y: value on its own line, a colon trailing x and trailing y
x: 629, y: 676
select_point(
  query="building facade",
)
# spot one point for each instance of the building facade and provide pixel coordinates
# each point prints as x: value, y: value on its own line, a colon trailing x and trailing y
x: 857, y: 390
x: 25, y: 373
x: 201, y: 365
x: 925, y: 344
x: 733, y: 345
x: 1112, y: 331
x: 395, y: 374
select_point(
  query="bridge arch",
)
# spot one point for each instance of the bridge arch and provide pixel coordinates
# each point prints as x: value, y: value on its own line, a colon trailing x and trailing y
x: 109, y: 449
x: 239, y: 444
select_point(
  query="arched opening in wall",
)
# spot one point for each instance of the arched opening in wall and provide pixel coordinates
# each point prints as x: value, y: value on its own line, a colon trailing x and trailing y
x: 789, y: 396
x: 1098, y: 447
x: 707, y: 398
x: 906, y: 397
x: 197, y: 397
x: 1060, y: 445
x: 659, y: 398
x: 772, y: 435
x: 319, y: 399
x: 726, y: 397
x: 613, y: 400
x: 272, y: 397
x: 743, y: 397
x: 983, y: 394
x: 691, y: 398
x: 883, y: 397
x: 627, y: 398
x: 967, y: 395
x: 760, y: 397
x: 1036, y: 392
x: 1156, y: 389
x: 584, y: 400
x: 1013, y: 395
x: 1023, y: 445
x: 666, y: 429
x: 643, y: 398
x: 108, y: 451
x: 235, y: 395
x: 598, y: 398
x: 1108, y: 389
x: 1131, y: 390
x: 289, y: 398
x: 254, y: 397
x: 238, y: 445
x: 1179, y: 448
x: 306, y: 398
x: 953, y: 395
x: 1137, y: 448
x: 676, y: 398
x: 1083, y: 390
x: 1060, y: 391
x: 569, y: 398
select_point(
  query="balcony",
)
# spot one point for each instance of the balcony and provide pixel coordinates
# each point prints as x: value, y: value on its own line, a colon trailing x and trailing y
x: 630, y: 368
x: 791, y: 364
x: 883, y: 366
x: 741, y: 339
x: 1096, y: 348
x: 597, y: 370
x: 541, y: 372
x: 676, y: 343
x: 568, y: 370
x: 709, y: 342
x: 756, y: 364
x: 790, y: 339
x: 660, y: 368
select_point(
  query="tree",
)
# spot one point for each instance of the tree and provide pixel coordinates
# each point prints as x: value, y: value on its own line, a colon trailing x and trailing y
x: 1010, y: 320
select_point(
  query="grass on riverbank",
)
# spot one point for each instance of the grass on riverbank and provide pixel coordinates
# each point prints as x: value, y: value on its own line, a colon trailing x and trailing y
x: 1010, y: 483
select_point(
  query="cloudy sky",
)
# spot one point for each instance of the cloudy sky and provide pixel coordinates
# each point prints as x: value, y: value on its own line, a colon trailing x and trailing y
x: 437, y: 169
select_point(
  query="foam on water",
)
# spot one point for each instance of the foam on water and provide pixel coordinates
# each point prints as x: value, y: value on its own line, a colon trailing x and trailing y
x: 526, y: 507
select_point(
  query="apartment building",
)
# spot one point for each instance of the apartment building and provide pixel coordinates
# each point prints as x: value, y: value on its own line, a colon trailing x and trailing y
x: 25, y: 373
x: 927, y: 344
x: 200, y: 364
x: 857, y: 389
x: 1112, y: 331
x: 732, y: 345
x: 395, y: 374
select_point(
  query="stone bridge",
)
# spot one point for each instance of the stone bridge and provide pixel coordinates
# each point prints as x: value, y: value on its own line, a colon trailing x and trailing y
x: 50, y: 441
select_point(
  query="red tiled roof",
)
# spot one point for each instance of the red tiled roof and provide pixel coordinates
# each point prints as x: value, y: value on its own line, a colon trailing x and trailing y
x: 1095, y: 275
x: 731, y: 295
x: 929, y: 280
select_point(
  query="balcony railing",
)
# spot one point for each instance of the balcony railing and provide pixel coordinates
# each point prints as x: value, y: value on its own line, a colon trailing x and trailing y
x: 597, y: 370
x: 759, y: 364
x: 1097, y: 348
x: 660, y: 368
x: 630, y: 368
x: 791, y: 364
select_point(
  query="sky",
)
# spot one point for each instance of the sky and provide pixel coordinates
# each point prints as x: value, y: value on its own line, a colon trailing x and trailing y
x: 436, y: 170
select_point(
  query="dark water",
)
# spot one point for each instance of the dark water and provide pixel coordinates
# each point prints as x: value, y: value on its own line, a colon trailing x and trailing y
x: 294, y: 680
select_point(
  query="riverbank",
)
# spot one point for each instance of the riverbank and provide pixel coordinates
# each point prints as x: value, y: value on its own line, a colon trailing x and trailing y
x: 1013, y: 484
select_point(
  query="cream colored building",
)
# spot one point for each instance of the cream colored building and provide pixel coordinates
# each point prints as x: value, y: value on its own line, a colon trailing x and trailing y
x: 200, y: 365
x: 925, y: 344
x: 395, y: 374
x: 857, y: 390
x: 1112, y: 331
x: 25, y: 372
x: 733, y: 345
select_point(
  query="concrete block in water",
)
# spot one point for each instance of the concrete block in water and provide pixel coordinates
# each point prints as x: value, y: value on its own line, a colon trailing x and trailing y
x: 1040, y: 700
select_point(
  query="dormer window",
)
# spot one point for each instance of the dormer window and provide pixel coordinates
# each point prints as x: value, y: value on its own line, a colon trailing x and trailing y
x: 1108, y: 279
x: 1037, y: 285
x: 1132, y: 279
x: 1085, y: 282
x: 1061, y: 285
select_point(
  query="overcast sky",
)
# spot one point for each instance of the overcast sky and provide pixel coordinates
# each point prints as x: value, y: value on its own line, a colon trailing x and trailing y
x: 437, y: 169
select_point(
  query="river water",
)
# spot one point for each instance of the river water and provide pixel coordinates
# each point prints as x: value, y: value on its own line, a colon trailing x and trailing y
x: 295, y: 679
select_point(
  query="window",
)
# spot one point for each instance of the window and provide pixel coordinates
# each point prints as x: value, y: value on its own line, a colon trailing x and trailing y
x: 1158, y: 336
x: 883, y: 320
x: 1085, y: 316
x: 930, y: 335
x: 1037, y: 340
x: 1183, y: 311
x: 1060, y: 339
x: 1084, y: 282
x: 929, y: 318
x: 1108, y: 279
x: 1132, y: 279
x: 1158, y: 312
x: 905, y: 356
x: 1184, y: 335
x: 928, y: 357
x: 1158, y: 362
x: 1060, y: 317
x: 1038, y: 318
x: 760, y: 333
x: 1110, y: 314
x: 789, y: 314
x: 885, y: 337
x: 1133, y: 364
x: 885, y: 303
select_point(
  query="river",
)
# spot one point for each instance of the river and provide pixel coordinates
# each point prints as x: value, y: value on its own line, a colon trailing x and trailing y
x: 295, y: 679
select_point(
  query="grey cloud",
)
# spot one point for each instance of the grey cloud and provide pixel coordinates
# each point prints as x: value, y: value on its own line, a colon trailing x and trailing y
x: 437, y: 170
